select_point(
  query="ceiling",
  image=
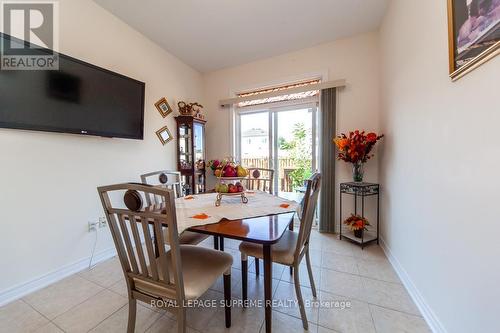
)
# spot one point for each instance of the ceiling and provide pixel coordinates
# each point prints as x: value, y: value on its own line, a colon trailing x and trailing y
x: 213, y: 34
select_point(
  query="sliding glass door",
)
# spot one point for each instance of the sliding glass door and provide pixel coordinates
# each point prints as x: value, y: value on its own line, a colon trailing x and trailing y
x: 280, y: 138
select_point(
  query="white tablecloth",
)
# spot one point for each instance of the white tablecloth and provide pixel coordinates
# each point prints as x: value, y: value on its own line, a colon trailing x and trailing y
x: 231, y: 208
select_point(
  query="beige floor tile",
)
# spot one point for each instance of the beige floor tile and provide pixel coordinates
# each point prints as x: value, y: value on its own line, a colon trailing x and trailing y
x: 62, y: 296
x: 255, y: 288
x: 326, y: 330
x: 339, y: 283
x: 167, y: 325
x: 277, y: 268
x: 286, y: 299
x: 339, y: 262
x: 118, y: 321
x: 20, y: 317
x: 370, y: 252
x: 303, y: 276
x: 334, y: 314
x: 390, y: 295
x: 90, y: 313
x: 334, y: 245
x: 243, y: 320
x: 49, y: 328
x: 105, y: 274
x: 389, y: 321
x: 377, y: 269
x: 198, y: 317
x: 120, y: 288
x: 283, y: 323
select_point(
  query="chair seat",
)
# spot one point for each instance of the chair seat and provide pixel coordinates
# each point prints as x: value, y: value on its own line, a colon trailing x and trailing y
x: 282, y: 252
x: 201, y: 267
x: 187, y: 237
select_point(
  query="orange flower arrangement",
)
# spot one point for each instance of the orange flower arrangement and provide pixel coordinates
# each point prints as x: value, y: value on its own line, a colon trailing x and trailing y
x: 357, y: 146
x: 356, y: 222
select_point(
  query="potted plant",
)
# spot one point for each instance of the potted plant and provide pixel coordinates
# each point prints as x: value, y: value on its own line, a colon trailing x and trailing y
x: 357, y: 224
x: 355, y: 148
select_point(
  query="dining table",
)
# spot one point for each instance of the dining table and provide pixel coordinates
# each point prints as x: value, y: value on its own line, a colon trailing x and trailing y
x: 265, y: 230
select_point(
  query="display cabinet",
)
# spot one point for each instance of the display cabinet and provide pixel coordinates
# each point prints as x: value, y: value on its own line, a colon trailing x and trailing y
x: 191, y: 153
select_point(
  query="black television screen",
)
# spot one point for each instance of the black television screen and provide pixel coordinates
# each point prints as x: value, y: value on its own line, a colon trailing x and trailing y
x: 78, y: 98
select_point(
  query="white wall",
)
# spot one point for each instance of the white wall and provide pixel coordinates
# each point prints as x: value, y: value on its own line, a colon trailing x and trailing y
x: 439, y: 169
x: 354, y: 59
x: 48, y: 181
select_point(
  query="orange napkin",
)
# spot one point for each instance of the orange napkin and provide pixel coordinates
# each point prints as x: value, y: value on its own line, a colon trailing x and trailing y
x: 189, y: 197
x: 284, y: 205
x: 201, y: 216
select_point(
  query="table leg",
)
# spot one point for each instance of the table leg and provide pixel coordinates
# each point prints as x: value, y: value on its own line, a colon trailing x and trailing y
x: 268, y: 283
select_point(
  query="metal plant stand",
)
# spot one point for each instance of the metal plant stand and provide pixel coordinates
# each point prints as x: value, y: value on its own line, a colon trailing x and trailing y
x: 360, y: 190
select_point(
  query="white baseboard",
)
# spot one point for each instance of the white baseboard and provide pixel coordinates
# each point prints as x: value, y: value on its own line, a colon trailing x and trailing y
x: 23, y: 289
x: 430, y: 317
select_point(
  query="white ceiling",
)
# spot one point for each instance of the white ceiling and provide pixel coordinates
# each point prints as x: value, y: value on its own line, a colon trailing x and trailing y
x: 213, y: 34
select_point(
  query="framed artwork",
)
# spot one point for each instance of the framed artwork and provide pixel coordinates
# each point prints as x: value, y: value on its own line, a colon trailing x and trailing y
x: 163, y: 107
x: 164, y: 135
x: 473, y: 34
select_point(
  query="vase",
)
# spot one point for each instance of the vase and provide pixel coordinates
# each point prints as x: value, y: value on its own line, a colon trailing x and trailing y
x: 357, y: 171
x: 358, y: 233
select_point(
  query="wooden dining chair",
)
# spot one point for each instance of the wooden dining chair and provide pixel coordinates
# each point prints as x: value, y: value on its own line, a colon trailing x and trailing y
x: 291, y: 248
x: 171, y: 180
x: 168, y: 279
x: 262, y: 180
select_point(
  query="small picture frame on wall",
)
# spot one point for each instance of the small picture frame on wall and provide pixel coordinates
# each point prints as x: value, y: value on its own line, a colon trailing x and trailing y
x: 473, y: 34
x: 164, y: 135
x: 163, y: 107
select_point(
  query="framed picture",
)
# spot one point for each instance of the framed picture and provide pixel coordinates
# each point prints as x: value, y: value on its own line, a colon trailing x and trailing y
x: 164, y: 135
x: 163, y: 107
x: 473, y: 34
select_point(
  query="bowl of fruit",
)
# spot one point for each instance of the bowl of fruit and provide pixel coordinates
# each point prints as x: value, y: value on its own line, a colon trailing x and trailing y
x: 230, y: 176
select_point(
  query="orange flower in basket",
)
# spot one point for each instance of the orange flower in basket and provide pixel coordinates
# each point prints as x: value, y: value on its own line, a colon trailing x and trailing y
x: 201, y: 216
x: 284, y: 205
x: 189, y: 197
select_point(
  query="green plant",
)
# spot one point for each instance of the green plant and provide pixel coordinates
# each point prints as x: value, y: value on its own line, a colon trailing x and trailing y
x: 300, y: 152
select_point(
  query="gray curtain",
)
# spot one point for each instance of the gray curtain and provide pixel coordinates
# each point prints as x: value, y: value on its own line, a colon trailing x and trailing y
x: 327, y: 116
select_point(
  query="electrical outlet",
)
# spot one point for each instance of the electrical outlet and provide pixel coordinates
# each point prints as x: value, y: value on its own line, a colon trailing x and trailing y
x: 93, y: 226
x: 103, y: 222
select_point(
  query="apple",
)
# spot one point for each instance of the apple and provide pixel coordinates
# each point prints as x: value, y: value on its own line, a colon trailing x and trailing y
x: 217, y: 188
x: 232, y: 188
x: 229, y: 171
x: 239, y: 188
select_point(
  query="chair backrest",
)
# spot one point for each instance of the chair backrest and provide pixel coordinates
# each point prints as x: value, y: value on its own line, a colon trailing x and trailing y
x: 260, y: 179
x: 309, y: 204
x: 164, y: 178
x: 131, y: 224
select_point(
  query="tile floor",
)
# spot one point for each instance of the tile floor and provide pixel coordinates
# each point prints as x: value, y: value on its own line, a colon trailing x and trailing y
x: 95, y: 300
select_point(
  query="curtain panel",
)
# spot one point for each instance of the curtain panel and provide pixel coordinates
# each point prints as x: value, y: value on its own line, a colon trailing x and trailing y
x: 328, y: 125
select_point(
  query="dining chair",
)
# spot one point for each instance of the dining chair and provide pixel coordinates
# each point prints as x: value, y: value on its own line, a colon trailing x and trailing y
x: 167, y: 279
x: 171, y: 180
x: 291, y: 248
x: 262, y: 180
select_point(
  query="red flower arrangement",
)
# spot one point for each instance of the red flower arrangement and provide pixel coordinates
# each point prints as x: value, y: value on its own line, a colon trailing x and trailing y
x: 356, y: 222
x: 357, y: 146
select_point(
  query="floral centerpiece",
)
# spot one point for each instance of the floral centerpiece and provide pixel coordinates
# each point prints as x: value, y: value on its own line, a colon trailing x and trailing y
x: 355, y: 148
x: 357, y: 224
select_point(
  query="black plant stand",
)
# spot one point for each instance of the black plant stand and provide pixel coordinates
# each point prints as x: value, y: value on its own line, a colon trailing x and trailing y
x: 360, y: 190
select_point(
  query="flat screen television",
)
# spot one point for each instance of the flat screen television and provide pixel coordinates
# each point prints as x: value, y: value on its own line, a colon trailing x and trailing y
x: 78, y: 98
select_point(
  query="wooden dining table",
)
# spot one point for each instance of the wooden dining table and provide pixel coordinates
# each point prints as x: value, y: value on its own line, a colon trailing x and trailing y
x: 266, y: 230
